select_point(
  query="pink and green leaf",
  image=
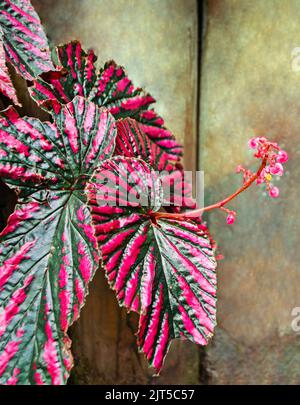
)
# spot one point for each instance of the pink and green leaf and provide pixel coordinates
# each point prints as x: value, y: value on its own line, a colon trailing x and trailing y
x: 110, y: 87
x: 132, y: 142
x: 6, y: 86
x: 38, y: 155
x: 164, y: 269
x: 48, y: 250
x: 24, y: 40
x: 48, y: 257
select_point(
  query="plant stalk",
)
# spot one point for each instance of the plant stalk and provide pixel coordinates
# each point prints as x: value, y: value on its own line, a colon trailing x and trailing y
x: 197, y: 212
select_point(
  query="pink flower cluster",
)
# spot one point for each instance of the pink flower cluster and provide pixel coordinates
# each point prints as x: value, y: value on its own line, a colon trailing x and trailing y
x: 274, y: 157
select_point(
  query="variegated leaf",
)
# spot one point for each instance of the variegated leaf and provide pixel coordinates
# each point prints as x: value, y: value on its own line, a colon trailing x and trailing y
x: 48, y: 256
x: 48, y: 249
x: 110, y: 87
x: 132, y: 142
x: 37, y: 155
x: 25, y: 42
x: 164, y: 269
x: 6, y: 86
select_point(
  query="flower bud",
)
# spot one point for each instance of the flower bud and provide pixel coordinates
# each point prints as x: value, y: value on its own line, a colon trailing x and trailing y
x: 274, y: 192
x: 230, y: 219
x: 277, y: 169
x: 252, y: 143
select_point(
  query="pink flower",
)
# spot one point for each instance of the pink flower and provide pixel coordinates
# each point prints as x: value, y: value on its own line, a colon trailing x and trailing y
x: 277, y: 169
x: 282, y: 156
x: 274, y: 192
x: 253, y: 142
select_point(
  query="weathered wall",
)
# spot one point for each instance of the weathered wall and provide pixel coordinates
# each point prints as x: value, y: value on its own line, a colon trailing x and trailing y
x: 248, y: 87
x: 156, y: 40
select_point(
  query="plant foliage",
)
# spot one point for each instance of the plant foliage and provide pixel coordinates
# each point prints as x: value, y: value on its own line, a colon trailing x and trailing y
x: 101, y: 183
x: 23, y: 43
x: 48, y: 248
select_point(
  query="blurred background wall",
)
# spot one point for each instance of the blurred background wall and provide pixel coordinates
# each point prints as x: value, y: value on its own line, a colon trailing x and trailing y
x: 247, y: 86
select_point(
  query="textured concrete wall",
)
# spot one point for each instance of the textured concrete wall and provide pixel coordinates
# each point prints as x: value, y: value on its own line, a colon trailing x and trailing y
x: 156, y: 40
x: 248, y: 87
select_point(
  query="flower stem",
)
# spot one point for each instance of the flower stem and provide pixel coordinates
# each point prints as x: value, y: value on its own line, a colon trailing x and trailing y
x: 197, y: 212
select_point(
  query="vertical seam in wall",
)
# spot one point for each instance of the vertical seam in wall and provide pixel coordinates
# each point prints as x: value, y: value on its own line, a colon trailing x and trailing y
x: 200, y: 25
x: 203, y: 373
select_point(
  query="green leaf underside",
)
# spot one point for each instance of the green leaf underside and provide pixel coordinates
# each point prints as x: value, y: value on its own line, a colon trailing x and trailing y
x: 164, y: 269
x: 48, y: 249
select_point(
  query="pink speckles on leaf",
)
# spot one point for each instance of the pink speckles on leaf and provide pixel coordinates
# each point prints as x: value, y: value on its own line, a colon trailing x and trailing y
x: 137, y: 103
x: 79, y: 291
x: 62, y: 276
x: 9, y: 352
x: 38, y: 378
x: 28, y: 129
x: 85, y: 267
x: 105, y: 77
x: 71, y: 131
x: 147, y: 281
x: 12, y: 263
x: 194, y: 304
x: 89, y: 118
x: 64, y: 298
x: 89, y: 232
x: 191, y: 328
x: 20, y: 215
x: 50, y: 357
x: 70, y: 59
x: 150, y: 334
x: 13, y: 306
x: 122, y: 84
x: 80, y: 214
x: 98, y: 139
x: 81, y: 248
x: 12, y: 142
x: 14, y: 378
x: 90, y: 66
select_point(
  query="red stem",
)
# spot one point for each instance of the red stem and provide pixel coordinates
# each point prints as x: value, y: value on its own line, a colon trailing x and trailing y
x: 220, y: 204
